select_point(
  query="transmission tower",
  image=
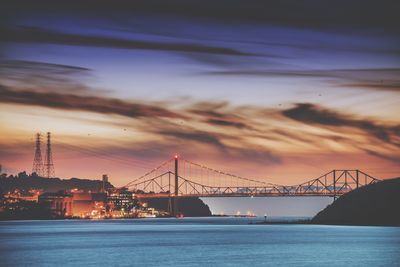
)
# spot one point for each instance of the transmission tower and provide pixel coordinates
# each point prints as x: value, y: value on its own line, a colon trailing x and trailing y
x: 37, y: 161
x: 48, y: 165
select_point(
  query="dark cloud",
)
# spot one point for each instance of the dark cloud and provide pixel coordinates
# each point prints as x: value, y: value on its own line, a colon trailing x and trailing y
x: 166, y: 140
x: 313, y: 114
x: 60, y: 87
x: 393, y: 158
x: 83, y: 103
x: 267, y: 73
x: 333, y: 73
x: 260, y: 155
x: 327, y: 47
x: 33, y: 66
x: 310, y: 113
x: 257, y: 154
x: 197, y: 136
x: 208, y: 113
x: 292, y: 136
x: 318, y: 13
x: 37, y: 35
x: 209, y: 109
x: 380, y: 85
x: 44, y: 77
x: 219, y: 122
x: 227, y: 62
x: 14, y: 151
x: 369, y: 78
x: 214, y: 114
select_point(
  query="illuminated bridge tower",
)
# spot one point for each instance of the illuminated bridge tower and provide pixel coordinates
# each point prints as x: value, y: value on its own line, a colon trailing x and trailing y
x: 48, y: 165
x: 37, y: 161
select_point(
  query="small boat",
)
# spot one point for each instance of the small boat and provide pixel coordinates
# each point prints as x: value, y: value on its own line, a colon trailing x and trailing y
x: 180, y: 216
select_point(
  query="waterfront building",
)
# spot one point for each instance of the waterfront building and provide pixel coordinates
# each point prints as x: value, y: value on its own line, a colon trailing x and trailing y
x: 61, y: 203
x: 121, y: 200
x: 31, y: 195
x: 85, y: 203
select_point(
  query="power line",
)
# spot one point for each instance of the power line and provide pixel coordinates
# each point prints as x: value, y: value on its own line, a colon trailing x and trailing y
x: 225, y: 173
x: 107, y: 153
x: 148, y: 173
x: 105, y: 156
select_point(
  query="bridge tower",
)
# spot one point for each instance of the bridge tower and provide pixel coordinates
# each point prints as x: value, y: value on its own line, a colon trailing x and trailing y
x: 176, y: 188
x: 38, y: 161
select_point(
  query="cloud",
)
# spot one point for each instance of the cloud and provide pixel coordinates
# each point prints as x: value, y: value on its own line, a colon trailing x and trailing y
x: 228, y: 123
x: 260, y: 156
x: 219, y: 128
x: 38, y: 35
x: 197, y: 136
x: 393, y: 158
x: 192, y: 138
x: 369, y: 78
x: 73, y: 102
x: 309, y: 12
x: 214, y: 114
x: 381, y: 85
x: 34, y: 66
x: 191, y: 143
x: 45, y: 77
x: 209, y: 109
x: 61, y: 87
x: 313, y: 114
x: 14, y: 151
x: 293, y: 136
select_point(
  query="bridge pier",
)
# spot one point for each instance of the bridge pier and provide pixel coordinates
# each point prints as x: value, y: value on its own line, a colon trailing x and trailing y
x: 174, y: 198
x: 173, y: 206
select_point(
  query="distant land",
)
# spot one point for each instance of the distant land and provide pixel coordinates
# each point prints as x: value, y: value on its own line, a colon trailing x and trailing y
x: 376, y: 204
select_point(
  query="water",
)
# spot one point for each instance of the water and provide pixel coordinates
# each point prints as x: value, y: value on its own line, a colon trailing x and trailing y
x: 194, y: 242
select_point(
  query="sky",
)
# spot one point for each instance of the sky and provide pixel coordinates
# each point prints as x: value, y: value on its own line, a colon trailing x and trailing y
x: 278, y: 91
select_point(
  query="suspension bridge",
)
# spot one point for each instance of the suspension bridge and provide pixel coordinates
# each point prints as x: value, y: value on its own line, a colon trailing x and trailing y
x: 177, y: 178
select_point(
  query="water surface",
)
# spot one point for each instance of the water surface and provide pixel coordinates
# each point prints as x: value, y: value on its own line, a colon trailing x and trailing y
x: 194, y: 242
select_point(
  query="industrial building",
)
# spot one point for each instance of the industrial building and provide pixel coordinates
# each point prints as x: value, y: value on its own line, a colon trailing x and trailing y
x: 61, y: 203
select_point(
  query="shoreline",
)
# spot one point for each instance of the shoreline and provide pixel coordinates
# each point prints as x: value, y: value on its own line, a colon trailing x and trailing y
x: 283, y: 222
x: 295, y: 222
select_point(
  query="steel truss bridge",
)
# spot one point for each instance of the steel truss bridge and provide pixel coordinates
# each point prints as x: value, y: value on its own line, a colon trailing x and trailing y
x: 178, y: 177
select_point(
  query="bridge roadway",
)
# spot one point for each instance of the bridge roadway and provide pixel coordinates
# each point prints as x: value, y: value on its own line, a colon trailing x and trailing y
x: 166, y: 195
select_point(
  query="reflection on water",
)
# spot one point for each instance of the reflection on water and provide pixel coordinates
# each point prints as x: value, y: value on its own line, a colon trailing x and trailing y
x: 194, y: 242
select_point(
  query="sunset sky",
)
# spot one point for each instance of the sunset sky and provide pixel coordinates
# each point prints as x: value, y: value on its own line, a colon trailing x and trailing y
x: 272, y: 90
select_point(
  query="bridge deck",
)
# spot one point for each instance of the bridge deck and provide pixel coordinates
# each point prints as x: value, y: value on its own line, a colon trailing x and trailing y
x: 162, y: 195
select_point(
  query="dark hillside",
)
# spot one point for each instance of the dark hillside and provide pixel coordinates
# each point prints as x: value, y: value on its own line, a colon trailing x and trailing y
x: 26, y: 182
x: 190, y: 206
x: 375, y: 204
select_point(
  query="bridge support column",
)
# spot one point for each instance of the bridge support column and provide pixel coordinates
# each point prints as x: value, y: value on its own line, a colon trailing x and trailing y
x: 176, y: 193
x: 357, y: 171
x: 334, y: 185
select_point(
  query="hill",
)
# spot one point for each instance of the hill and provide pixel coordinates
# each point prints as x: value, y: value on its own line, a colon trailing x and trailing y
x: 27, y: 182
x: 375, y: 204
x: 190, y: 206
